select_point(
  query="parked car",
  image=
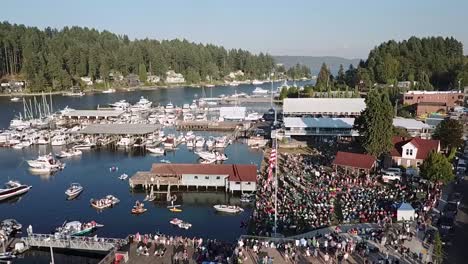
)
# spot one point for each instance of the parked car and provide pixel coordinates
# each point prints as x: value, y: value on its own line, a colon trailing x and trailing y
x: 455, y: 198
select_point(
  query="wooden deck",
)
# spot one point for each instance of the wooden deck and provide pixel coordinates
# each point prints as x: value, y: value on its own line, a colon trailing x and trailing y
x: 144, y: 178
x: 168, y: 256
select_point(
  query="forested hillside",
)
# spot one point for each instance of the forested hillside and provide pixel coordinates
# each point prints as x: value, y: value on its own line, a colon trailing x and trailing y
x: 56, y: 59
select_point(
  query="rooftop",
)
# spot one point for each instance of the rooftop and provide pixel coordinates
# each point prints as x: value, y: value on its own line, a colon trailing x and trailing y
x: 119, y: 129
x: 93, y: 113
x: 342, y: 106
x: 409, y: 123
x: 236, y: 172
x: 432, y: 92
x: 354, y: 160
x: 323, y: 122
x: 424, y: 146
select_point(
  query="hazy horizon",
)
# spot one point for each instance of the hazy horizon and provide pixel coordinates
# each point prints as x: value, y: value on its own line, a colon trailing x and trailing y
x: 294, y: 28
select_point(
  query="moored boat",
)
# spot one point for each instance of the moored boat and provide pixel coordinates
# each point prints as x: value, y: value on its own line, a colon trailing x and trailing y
x: 159, y: 151
x: 139, y: 208
x: 232, y: 209
x: 69, y: 153
x: 73, y: 191
x: 76, y: 228
x: 105, y: 202
x: 12, y: 189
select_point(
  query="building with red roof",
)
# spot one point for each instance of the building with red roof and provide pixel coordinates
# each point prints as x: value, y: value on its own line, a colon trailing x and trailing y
x: 410, y: 152
x: 354, y: 161
x: 232, y: 177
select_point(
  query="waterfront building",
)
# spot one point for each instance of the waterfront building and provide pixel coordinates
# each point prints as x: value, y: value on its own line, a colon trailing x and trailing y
x: 319, y: 107
x: 426, y: 102
x: 173, y: 78
x: 153, y: 79
x: 230, y: 177
x: 320, y: 126
x: 410, y: 152
x: 87, y: 80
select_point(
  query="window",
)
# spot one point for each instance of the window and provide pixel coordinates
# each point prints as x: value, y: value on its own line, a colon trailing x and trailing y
x: 237, y: 183
x: 195, y: 177
x: 217, y: 177
x: 249, y: 183
x: 207, y: 178
x: 409, y: 152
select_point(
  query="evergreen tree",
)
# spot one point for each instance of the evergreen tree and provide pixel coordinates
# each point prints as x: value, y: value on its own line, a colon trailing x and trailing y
x: 143, y: 75
x: 341, y: 79
x: 437, y: 168
x: 375, y: 124
x: 450, y: 133
x: 323, y: 78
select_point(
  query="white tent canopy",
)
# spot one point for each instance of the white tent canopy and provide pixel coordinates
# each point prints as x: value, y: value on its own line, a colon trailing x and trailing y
x: 405, y: 212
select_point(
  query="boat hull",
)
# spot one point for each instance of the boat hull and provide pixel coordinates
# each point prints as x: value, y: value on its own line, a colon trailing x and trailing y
x: 17, y: 191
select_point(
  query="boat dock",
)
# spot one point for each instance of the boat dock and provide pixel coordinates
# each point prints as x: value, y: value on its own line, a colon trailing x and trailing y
x: 207, y: 125
x: 73, y: 243
x: 119, y: 129
x: 258, y: 99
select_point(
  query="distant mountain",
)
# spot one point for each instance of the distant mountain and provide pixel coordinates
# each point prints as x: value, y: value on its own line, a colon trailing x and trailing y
x: 316, y: 62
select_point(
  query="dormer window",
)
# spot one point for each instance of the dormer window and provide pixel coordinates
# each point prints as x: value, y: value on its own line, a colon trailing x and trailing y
x: 409, y: 152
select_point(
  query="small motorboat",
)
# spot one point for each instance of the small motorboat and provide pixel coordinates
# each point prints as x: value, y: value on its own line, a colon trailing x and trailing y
x: 73, y: 191
x: 15, y: 99
x: 76, y: 228
x: 123, y: 177
x: 165, y: 161
x: 69, y: 153
x: 139, y: 208
x: 159, y: 151
x: 175, y: 210
x: 7, y: 256
x: 231, y: 209
x: 105, y: 202
x: 149, y: 198
x: 176, y: 221
x: 184, y: 225
x: 13, y: 188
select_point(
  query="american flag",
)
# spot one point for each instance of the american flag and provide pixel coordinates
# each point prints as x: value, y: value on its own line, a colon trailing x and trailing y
x: 272, y: 164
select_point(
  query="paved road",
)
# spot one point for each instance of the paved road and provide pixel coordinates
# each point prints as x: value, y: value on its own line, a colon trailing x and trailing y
x: 457, y: 252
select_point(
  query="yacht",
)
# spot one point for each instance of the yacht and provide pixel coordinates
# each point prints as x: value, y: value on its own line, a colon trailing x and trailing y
x: 42, y: 140
x: 73, y: 191
x: 59, y: 140
x: 125, y: 142
x: 142, y: 104
x: 19, y: 124
x: 121, y: 105
x: 260, y: 91
x: 193, y: 106
x: 199, y: 142
x: 23, y: 144
x: 188, y: 117
x: 13, y: 188
x: 232, y: 209
x: 185, y: 108
x: 46, y: 161
x: 201, y: 117
x: 108, y: 91
x: 169, y: 108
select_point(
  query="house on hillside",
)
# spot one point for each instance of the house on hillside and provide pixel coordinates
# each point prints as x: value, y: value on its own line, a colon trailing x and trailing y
x: 87, y: 80
x: 132, y: 80
x: 236, y: 74
x: 173, y: 77
x: 410, y: 152
x: 153, y: 79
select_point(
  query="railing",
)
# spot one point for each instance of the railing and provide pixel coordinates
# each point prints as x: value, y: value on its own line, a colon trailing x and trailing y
x: 70, y: 242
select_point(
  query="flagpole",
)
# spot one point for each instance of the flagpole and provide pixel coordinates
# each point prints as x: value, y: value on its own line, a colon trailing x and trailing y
x: 276, y: 181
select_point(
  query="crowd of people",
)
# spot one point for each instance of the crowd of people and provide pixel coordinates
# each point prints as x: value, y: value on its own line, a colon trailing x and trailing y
x: 311, y: 195
x: 181, y: 249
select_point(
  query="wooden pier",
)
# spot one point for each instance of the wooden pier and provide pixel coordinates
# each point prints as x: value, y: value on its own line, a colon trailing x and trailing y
x: 207, y: 125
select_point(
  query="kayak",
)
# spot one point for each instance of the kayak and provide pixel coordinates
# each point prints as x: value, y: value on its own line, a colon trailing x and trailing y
x: 175, y: 210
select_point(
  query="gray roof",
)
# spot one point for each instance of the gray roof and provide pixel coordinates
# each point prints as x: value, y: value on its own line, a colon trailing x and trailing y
x: 119, y: 129
x: 94, y: 113
x: 409, y: 123
x: 343, y: 106
x: 323, y: 122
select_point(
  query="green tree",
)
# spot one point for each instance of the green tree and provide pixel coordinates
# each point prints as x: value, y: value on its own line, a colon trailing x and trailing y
x: 375, y: 124
x: 323, y: 78
x: 450, y: 133
x: 142, y: 73
x: 438, y: 250
x: 437, y: 168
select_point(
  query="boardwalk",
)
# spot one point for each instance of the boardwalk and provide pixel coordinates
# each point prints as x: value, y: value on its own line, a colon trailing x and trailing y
x: 73, y: 243
x: 166, y: 258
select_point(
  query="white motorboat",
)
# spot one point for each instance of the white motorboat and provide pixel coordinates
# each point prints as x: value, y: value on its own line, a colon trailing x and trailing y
x: 231, y: 209
x: 257, y: 82
x: 159, y: 151
x: 121, y: 105
x: 234, y: 83
x: 212, y: 155
x: 200, y: 117
x: 19, y: 124
x: 108, y: 91
x: 13, y: 188
x: 105, y: 202
x: 184, y: 225
x: 165, y: 161
x: 15, y: 99
x: 125, y: 142
x: 123, y: 177
x: 169, y: 108
x: 74, y: 94
x: 76, y: 228
x: 142, y: 104
x: 210, y: 143
x: 46, y: 161
x: 253, y: 116
x: 199, y: 142
x: 59, y: 140
x: 23, y: 144
x: 73, y: 191
x: 188, y: 117
x: 176, y: 221
x: 43, y: 141
x: 260, y: 91
x: 69, y: 153
x: 193, y: 106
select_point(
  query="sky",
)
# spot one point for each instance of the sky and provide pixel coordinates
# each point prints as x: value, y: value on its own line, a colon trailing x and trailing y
x: 342, y: 28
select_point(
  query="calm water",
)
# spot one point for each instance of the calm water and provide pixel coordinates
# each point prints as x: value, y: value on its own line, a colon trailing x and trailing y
x: 45, y: 206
